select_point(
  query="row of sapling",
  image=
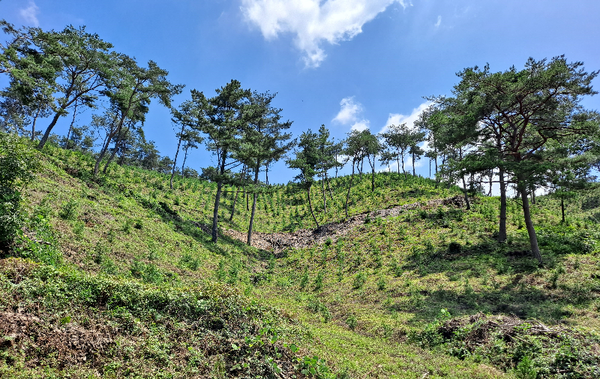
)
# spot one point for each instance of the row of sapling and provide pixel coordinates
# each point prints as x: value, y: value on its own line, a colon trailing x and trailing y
x: 525, y: 127
x: 243, y: 130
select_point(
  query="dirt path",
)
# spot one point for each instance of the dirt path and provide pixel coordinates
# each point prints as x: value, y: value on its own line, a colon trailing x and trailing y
x: 277, y: 242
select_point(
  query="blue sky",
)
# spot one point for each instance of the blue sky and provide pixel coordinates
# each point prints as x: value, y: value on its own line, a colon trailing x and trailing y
x: 343, y: 63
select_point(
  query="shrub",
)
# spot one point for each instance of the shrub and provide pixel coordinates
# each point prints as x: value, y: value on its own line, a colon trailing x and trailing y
x: 359, y: 281
x: 17, y: 165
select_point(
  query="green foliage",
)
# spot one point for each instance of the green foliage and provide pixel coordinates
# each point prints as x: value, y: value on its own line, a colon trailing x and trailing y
x: 17, y: 166
x: 359, y: 280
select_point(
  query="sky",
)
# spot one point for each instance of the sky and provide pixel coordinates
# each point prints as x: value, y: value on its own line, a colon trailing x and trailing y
x: 347, y: 64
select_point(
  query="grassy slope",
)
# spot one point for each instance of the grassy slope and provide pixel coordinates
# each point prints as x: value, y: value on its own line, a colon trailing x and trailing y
x: 359, y: 299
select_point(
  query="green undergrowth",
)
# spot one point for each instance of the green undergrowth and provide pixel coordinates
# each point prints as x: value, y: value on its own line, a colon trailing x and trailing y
x: 354, y: 306
x: 59, y: 321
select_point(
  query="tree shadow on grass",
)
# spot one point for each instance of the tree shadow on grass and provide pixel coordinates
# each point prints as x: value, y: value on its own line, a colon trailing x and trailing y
x: 524, y: 296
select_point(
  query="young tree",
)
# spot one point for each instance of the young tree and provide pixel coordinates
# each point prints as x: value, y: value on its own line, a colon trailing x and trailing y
x: 190, y: 137
x: 222, y: 119
x: 397, y: 143
x: 130, y: 92
x: 264, y: 141
x: 326, y: 151
x: 85, y: 66
x: 307, y: 161
x: 359, y: 145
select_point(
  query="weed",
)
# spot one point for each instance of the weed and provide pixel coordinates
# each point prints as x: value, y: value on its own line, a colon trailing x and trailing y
x: 359, y: 280
x: 69, y: 210
x: 351, y: 322
x: 319, y: 281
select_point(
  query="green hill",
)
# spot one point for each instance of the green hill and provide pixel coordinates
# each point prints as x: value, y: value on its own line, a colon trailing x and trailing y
x: 117, y: 277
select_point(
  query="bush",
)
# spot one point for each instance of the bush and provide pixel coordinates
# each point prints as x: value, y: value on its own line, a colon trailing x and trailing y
x: 17, y: 165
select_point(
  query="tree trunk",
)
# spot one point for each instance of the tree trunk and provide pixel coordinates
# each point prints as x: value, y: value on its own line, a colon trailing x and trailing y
x: 324, y: 194
x: 430, y: 169
x: 530, y: 230
x: 101, y: 154
x: 37, y: 114
x: 71, y: 126
x: 175, y: 161
x: 110, y: 159
x: 311, y: 208
x: 249, y: 240
x: 562, y: 209
x: 413, y: 164
x: 329, y: 187
x: 502, y: 226
x: 373, y: 175
x: 349, y: 187
x: 237, y: 192
x: 184, y: 159
x: 48, y: 130
x: 215, y: 235
x: 466, y: 194
x: 403, y: 169
x: 247, y: 200
x: 398, y: 163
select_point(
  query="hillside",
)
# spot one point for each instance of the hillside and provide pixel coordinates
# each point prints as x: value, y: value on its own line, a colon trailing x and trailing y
x: 117, y: 277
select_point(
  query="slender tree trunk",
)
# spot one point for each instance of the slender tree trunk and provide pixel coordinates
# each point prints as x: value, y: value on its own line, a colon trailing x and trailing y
x: 349, y: 187
x: 430, y: 169
x: 110, y: 159
x: 533, y: 195
x: 175, y: 161
x: 502, y: 226
x: 324, y: 194
x: 267, y: 175
x: 71, y: 126
x: 247, y: 199
x: 398, y: 163
x: 329, y: 187
x: 373, y: 175
x: 403, y: 169
x: 237, y: 192
x: 249, y: 240
x: 562, y: 209
x: 311, y: 208
x: 466, y: 194
x: 215, y: 225
x: 101, y: 154
x: 48, y: 130
x: 413, y: 164
x: 37, y: 114
x: 184, y: 159
x: 530, y: 230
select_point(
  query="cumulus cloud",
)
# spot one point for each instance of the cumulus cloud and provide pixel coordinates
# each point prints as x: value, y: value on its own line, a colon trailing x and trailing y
x: 29, y: 14
x: 313, y: 22
x: 397, y: 118
x: 349, y: 111
x: 349, y: 114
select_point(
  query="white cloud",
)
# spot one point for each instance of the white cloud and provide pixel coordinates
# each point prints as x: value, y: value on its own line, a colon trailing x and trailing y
x: 397, y: 118
x: 439, y: 22
x: 30, y: 13
x: 349, y: 113
x: 349, y: 110
x: 361, y: 125
x: 313, y: 21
